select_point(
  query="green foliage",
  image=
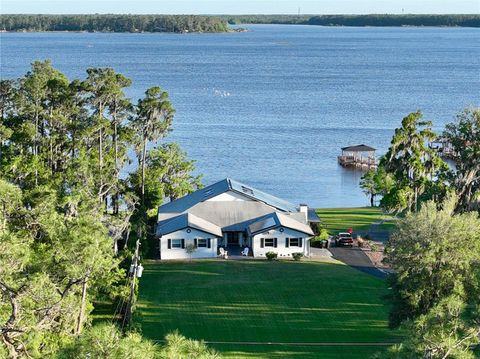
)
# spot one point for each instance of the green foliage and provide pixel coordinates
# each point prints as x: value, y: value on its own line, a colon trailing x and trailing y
x: 446, y: 331
x: 63, y: 205
x: 113, y: 23
x: 464, y: 137
x: 297, y: 256
x: 436, y: 287
x: 410, y: 172
x: 190, y: 249
x: 434, y: 254
x: 377, y: 182
x: 168, y: 174
x: 373, y: 246
x: 106, y: 341
x: 359, y: 20
x: 177, y: 346
x: 271, y: 255
x: 49, y: 256
x: 319, y: 239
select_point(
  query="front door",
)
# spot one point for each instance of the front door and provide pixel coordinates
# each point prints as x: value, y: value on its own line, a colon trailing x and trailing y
x: 232, y: 239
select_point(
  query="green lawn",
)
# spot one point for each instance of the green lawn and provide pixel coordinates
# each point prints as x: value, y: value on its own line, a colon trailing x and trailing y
x: 261, y: 301
x: 360, y: 219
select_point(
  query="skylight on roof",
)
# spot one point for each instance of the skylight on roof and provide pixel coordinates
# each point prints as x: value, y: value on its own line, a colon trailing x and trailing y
x: 247, y: 190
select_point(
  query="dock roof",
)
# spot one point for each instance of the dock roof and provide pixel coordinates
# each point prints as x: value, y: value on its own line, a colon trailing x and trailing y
x: 358, y: 148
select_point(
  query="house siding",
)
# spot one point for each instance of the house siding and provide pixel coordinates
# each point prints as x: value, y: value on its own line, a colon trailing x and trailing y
x: 282, y: 250
x: 180, y: 253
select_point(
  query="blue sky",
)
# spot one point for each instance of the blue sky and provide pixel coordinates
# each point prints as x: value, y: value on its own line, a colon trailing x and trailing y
x: 239, y: 6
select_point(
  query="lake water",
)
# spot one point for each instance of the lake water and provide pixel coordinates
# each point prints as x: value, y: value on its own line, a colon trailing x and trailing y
x: 272, y: 107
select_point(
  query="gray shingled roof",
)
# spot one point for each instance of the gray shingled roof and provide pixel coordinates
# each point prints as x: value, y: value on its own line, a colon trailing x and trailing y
x: 225, y: 214
x: 188, y: 201
x: 358, y: 148
x: 187, y: 220
x: 275, y: 220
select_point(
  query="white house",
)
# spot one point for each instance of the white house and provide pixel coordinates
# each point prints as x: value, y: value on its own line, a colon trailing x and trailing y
x: 233, y: 216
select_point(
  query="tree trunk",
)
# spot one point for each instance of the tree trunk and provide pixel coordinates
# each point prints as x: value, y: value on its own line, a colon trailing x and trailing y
x: 11, y: 348
x: 115, y: 141
x: 100, y: 150
x: 372, y: 196
x: 144, y: 155
x: 82, y: 306
x: 100, y: 162
x: 35, y: 146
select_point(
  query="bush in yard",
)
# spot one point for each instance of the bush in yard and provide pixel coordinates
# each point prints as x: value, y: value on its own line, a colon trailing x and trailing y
x: 297, y: 256
x: 373, y: 246
x: 190, y: 249
x: 317, y: 241
x: 271, y: 255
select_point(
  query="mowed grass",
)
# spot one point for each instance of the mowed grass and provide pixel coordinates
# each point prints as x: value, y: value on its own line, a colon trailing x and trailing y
x: 261, y: 301
x: 359, y: 219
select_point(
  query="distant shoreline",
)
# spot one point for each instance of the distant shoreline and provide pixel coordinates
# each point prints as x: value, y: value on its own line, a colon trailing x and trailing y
x: 110, y: 23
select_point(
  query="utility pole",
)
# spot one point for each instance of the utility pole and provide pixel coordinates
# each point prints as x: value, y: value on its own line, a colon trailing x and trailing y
x: 133, y: 272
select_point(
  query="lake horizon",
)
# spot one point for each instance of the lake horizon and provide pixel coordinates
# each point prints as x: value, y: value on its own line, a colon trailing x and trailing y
x: 273, y: 106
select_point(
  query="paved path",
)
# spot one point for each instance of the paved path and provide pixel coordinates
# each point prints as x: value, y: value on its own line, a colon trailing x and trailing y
x: 357, y: 259
x: 320, y: 254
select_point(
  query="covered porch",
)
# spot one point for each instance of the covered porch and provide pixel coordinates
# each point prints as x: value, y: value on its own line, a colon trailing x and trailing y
x: 234, y: 243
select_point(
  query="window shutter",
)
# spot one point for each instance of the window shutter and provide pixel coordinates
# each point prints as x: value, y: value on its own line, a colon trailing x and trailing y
x: 275, y: 242
x: 183, y: 243
x: 262, y: 242
x: 287, y: 242
x: 169, y: 243
x: 195, y: 242
x: 209, y: 242
x: 300, y: 242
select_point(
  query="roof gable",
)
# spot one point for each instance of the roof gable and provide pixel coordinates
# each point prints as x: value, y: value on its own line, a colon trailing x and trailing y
x: 275, y: 220
x: 184, y: 203
x: 187, y: 220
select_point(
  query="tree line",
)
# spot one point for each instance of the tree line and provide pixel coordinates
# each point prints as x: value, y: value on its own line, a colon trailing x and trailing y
x: 466, y: 20
x: 67, y: 205
x: 113, y: 23
x: 200, y: 23
x: 435, y: 251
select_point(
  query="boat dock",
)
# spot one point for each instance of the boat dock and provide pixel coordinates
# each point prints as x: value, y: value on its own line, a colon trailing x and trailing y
x: 358, y: 156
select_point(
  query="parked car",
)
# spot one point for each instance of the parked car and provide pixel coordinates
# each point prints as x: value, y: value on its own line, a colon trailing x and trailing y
x: 344, y: 239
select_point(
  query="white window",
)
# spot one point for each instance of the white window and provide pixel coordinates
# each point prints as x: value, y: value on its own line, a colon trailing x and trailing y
x: 295, y: 242
x: 269, y: 242
x: 176, y: 243
x: 202, y: 242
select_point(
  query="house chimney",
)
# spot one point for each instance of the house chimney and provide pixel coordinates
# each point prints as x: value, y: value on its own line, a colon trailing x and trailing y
x: 304, y: 209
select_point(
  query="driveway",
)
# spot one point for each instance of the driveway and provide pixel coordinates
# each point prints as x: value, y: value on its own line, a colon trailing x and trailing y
x: 357, y: 259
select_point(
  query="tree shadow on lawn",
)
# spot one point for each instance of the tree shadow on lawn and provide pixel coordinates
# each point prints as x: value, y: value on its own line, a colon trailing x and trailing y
x: 262, y: 301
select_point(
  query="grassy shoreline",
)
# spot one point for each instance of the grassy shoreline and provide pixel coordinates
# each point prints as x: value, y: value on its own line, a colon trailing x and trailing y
x: 358, y: 218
